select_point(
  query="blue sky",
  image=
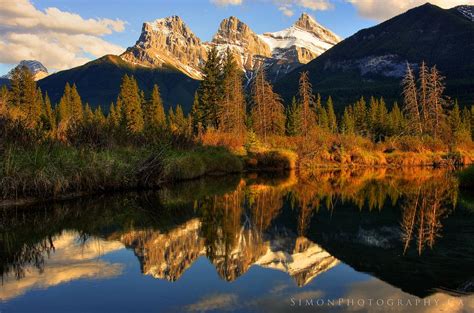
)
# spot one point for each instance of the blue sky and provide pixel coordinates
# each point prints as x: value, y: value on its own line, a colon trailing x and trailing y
x: 65, y: 33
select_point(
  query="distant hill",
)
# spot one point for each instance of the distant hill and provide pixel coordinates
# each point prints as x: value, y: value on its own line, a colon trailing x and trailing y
x: 372, y: 61
x: 98, y: 82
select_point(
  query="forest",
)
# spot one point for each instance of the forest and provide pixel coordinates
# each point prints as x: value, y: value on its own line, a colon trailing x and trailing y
x: 49, y: 150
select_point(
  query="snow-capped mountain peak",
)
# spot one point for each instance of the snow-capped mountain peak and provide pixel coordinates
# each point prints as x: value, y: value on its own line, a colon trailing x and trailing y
x: 306, y: 35
x: 36, y: 68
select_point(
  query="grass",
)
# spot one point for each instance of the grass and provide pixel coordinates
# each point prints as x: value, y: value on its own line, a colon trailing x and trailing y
x: 53, y: 171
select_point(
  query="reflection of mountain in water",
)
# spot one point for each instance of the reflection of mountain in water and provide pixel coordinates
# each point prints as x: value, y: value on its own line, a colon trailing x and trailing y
x: 168, y: 255
x: 401, y: 227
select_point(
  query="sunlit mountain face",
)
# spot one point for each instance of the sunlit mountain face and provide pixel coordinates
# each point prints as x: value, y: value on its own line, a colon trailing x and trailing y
x: 249, y: 244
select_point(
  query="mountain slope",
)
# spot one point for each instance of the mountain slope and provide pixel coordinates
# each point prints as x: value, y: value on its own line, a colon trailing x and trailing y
x: 38, y: 70
x: 98, y: 82
x: 372, y: 61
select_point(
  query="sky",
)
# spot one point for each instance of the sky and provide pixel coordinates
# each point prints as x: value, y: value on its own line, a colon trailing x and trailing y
x: 64, y: 33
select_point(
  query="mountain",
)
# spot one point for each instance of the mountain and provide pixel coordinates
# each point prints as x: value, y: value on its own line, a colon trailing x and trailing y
x: 167, y: 255
x: 98, y: 82
x: 373, y: 61
x: 169, y: 54
x: 169, y: 42
x: 38, y: 70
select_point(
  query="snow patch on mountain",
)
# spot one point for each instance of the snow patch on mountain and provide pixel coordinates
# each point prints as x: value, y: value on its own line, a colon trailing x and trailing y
x: 36, y: 68
x: 467, y: 11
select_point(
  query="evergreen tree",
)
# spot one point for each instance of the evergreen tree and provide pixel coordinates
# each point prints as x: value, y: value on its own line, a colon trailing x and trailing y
x: 75, y: 105
x: 396, y: 121
x: 64, y: 107
x: 3, y: 100
x: 113, y: 119
x: 348, y: 121
x: 24, y: 97
x: 332, y: 120
x: 99, y: 116
x: 49, y: 116
x: 292, y: 118
x: 156, y: 117
x: 455, y: 122
x: 196, y: 116
x: 268, y: 112
x: 321, y: 114
x: 232, y: 111
x: 131, y: 102
x: 360, y: 117
x: 210, y: 90
x: 88, y: 114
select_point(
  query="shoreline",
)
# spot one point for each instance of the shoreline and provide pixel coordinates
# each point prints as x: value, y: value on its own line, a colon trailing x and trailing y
x: 245, y: 165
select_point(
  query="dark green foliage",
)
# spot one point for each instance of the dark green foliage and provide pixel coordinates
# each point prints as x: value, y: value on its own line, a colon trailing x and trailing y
x: 210, y: 91
x: 98, y: 82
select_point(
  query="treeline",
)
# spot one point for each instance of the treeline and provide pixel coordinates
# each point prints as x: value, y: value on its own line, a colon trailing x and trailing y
x: 221, y: 105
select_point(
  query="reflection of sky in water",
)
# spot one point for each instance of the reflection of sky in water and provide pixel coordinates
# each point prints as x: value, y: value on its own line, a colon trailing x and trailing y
x: 102, y: 276
x: 276, y: 255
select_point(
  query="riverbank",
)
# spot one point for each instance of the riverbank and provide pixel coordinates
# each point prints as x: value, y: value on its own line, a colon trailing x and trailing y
x: 59, y: 172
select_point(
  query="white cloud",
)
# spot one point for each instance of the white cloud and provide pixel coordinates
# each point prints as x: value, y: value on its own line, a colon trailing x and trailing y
x: 56, y: 38
x: 227, y: 2
x: 382, y: 10
x: 285, y: 6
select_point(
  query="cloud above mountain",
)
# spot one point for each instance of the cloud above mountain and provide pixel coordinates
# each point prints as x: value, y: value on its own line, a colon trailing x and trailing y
x: 372, y: 9
x: 58, y: 39
x: 382, y: 10
x: 285, y: 6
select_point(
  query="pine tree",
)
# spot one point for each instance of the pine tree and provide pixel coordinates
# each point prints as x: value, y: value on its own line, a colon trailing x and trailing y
x: 232, y: 111
x: 348, y: 121
x: 156, y: 117
x: 332, y: 120
x: 306, y: 103
x: 196, y: 116
x: 99, y: 116
x: 49, y: 116
x: 396, y: 121
x: 3, y: 100
x: 24, y: 97
x: 64, y: 107
x: 411, y: 106
x: 75, y: 109
x: 455, y: 122
x: 113, y: 119
x: 292, y: 118
x: 88, y: 114
x: 321, y: 113
x: 210, y: 90
x: 268, y: 112
x: 360, y: 117
x: 131, y: 102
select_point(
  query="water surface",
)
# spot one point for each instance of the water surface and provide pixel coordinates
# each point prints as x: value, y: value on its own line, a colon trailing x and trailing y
x: 365, y: 241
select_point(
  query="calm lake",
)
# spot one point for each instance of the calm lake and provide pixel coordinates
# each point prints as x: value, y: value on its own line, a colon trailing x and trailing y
x: 363, y: 241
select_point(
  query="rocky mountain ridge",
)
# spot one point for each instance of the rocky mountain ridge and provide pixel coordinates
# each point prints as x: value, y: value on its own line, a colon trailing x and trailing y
x: 170, y: 42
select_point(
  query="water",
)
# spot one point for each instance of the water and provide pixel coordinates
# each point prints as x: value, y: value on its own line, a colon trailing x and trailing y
x: 366, y: 241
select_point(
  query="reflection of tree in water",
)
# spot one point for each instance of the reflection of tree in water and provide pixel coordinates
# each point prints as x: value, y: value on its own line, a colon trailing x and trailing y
x: 424, y: 209
x: 233, y: 225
